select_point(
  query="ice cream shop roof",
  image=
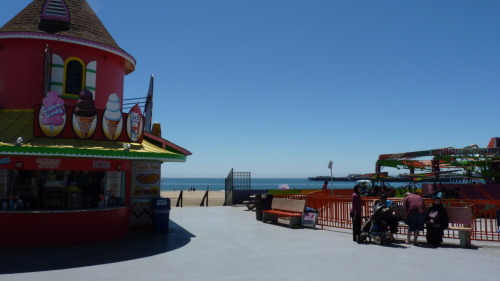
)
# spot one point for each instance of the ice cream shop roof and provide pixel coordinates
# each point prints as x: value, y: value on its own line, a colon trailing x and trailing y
x: 69, y: 20
x: 16, y: 138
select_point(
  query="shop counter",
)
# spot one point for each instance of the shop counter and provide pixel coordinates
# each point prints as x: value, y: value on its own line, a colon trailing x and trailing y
x: 63, y: 227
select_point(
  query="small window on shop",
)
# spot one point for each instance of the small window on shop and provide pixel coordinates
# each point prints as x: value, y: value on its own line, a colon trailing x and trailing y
x: 74, y: 78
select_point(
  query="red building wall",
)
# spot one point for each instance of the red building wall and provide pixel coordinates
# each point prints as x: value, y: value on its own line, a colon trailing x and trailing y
x: 58, y: 228
x: 22, y: 71
x: 21, y: 74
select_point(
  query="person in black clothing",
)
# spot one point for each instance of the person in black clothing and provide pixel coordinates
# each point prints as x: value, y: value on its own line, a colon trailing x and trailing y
x: 436, y: 221
x: 325, y: 186
x: 355, y: 213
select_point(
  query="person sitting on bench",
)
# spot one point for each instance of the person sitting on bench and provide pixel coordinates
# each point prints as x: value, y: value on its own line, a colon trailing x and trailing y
x: 436, y: 221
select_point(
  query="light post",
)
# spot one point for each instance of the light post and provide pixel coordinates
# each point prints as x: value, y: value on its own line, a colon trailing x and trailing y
x: 330, y: 166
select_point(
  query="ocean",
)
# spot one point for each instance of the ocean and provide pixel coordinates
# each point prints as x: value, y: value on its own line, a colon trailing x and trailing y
x: 217, y: 184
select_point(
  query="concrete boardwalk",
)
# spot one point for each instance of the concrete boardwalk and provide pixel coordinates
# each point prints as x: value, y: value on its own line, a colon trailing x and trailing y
x: 228, y: 243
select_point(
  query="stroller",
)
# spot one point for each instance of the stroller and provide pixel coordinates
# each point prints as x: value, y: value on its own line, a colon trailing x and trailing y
x: 377, y: 226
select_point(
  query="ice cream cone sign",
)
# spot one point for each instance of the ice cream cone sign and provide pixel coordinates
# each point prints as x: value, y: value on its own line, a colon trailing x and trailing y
x: 112, y: 123
x: 135, y: 123
x: 84, y: 116
x: 52, y: 115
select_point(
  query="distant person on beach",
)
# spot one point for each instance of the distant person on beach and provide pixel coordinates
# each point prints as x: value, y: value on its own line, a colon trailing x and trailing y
x: 436, y: 221
x: 325, y: 186
x: 356, y: 214
x: 415, y: 216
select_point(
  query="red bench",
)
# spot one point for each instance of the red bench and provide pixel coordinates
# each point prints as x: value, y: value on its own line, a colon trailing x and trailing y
x: 282, y: 207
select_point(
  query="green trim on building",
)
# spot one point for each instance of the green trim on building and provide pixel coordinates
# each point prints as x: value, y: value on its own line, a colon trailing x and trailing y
x: 25, y: 150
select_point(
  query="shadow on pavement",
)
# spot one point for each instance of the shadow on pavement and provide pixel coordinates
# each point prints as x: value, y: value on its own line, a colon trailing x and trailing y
x: 137, y: 244
x: 450, y: 246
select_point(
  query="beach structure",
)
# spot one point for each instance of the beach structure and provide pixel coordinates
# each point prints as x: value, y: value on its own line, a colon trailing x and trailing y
x: 478, y: 168
x: 75, y: 166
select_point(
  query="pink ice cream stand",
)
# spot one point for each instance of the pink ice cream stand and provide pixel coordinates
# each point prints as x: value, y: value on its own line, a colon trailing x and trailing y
x: 76, y: 166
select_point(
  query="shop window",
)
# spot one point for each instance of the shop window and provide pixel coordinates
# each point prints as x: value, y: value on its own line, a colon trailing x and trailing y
x: 74, y: 77
x: 62, y: 190
x: 71, y: 76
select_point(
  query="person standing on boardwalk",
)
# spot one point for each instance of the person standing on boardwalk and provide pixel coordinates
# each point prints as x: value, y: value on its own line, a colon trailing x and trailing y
x: 415, y: 216
x: 356, y: 214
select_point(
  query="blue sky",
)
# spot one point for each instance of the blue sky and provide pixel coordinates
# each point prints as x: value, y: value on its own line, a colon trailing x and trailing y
x: 279, y: 88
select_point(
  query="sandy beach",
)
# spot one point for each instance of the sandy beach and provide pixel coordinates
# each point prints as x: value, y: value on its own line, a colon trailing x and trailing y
x: 193, y: 198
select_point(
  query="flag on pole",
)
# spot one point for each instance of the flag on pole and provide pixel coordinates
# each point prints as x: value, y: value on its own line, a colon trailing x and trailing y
x: 330, y: 165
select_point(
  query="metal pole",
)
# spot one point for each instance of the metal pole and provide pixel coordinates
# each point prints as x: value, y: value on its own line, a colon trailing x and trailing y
x: 331, y: 175
x: 330, y: 166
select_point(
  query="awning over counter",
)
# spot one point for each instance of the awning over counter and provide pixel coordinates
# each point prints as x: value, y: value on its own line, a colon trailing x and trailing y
x: 19, y: 123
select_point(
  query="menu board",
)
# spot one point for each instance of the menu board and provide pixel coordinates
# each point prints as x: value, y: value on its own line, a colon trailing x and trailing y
x: 113, y: 183
x: 145, y: 179
x: 3, y: 183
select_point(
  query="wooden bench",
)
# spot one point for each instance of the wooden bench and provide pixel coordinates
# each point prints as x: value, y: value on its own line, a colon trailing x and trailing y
x: 462, y: 216
x: 282, y: 207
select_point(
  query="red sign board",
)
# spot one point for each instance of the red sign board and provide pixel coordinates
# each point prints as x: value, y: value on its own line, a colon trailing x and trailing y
x: 64, y: 164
